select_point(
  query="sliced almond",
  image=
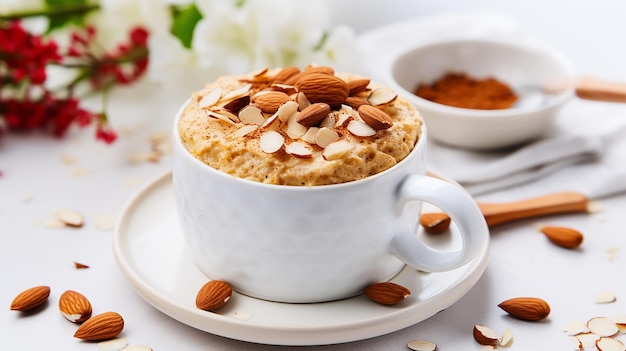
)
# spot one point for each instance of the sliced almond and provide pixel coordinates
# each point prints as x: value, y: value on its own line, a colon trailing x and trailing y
x: 328, y: 121
x: 360, y: 129
x: 228, y: 114
x: 609, y: 344
x: 382, y: 96
x: 211, y: 98
x: 343, y: 119
x: 576, y: 343
x: 602, y: 326
x: 245, y: 130
x: 251, y: 114
x: 588, y: 339
x: 70, y: 218
x: 309, y: 135
x: 485, y: 335
x: 272, y: 122
x: 422, y: 345
x: 271, y: 141
x: 326, y: 136
x: 575, y: 328
x: 286, y: 110
x: 337, y: 149
x: 299, y: 149
x: 219, y: 116
x: 302, y: 101
x: 295, y: 130
x: 116, y: 344
x: 136, y: 348
x: 507, y: 338
x: 605, y: 297
x: 235, y: 105
x: 237, y: 93
x: 620, y: 320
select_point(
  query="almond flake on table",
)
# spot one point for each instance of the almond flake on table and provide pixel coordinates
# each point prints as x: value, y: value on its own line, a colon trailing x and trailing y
x: 133, y: 181
x: 68, y: 159
x: 604, y: 297
x: 104, y: 222
x: 80, y: 171
x: 113, y: 344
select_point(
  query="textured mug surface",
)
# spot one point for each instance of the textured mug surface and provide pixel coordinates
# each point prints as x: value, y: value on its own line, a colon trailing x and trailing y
x: 321, y: 243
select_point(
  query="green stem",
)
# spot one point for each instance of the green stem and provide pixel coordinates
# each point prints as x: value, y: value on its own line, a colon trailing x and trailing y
x: 52, y: 11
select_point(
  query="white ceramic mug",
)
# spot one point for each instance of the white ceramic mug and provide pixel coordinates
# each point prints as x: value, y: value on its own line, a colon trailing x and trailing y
x: 312, y: 244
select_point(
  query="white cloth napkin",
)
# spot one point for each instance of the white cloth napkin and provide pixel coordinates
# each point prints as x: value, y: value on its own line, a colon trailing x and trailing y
x: 587, y: 153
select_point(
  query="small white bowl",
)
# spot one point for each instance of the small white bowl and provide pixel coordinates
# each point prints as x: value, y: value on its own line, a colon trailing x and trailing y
x: 519, y: 65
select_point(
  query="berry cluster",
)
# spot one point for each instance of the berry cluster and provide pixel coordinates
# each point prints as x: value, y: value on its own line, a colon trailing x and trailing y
x: 27, y: 103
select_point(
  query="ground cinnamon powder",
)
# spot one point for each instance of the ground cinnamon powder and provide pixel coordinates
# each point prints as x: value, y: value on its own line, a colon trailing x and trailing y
x: 461, y: 90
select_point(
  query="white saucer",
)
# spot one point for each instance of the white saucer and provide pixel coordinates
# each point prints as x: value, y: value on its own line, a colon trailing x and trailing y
x: 151, y: 253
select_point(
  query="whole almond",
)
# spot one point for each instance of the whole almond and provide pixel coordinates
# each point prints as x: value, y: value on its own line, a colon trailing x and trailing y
x: 387, y: 293
x: 565, y: 237
x: 435, y: 222
x: 310, y: 70
x: 104, y: 326
x: 357, y: 85
x: 271, y: 101
x: 314, y: 114
x: 375, y: 117
x: 213, y: 295
x: 319, y: 87
x: 355, y: 102
x: 30, y: 298
x: 284, y: 74
x: 74, y: 306
x: 526, y: 308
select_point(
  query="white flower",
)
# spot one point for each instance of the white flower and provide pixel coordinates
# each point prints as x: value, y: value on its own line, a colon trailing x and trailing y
x: 233, y: 38
x: 116, y: 18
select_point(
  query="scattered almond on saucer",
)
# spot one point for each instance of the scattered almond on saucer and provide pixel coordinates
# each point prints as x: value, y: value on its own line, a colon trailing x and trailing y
x: 213, y: 295
x: 387, y: 293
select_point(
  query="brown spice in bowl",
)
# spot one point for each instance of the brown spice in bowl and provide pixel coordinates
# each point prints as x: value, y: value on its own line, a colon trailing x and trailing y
x: 461, y: 90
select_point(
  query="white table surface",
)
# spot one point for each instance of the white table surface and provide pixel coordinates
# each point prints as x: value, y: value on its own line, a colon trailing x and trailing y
x: 37, y: 179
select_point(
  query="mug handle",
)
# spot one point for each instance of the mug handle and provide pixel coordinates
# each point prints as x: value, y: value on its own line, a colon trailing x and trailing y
x: 462, y: 209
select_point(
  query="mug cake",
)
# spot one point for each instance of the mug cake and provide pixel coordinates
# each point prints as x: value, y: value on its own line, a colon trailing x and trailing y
x: 308, y: 127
